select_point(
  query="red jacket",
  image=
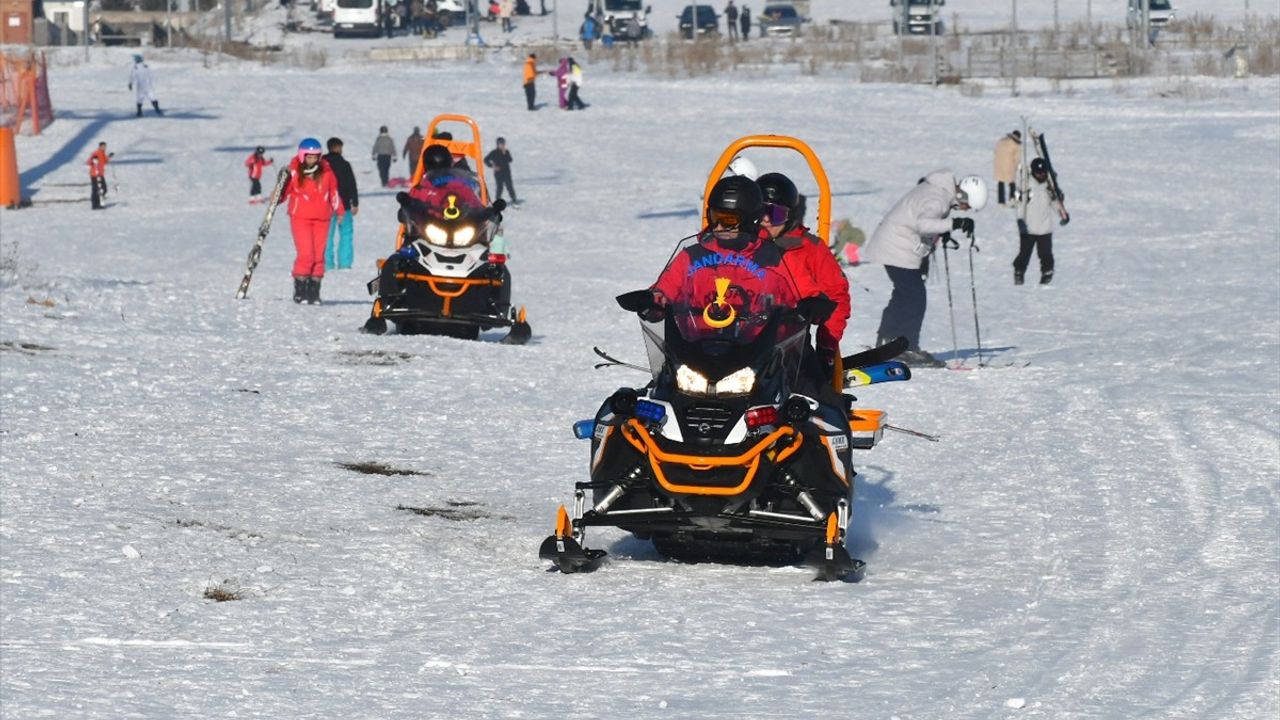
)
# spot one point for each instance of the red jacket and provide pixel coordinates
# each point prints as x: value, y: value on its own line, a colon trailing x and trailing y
x: 755, y: 271
x: 97, y: 163
x: 804, y: 253
x: 315, y: 199
x: 255, y: 163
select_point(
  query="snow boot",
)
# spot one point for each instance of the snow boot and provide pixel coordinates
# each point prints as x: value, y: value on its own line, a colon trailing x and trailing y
x: 139, y: 110
x: 313, y: 291
x: 299, y: 289
x: 1046, y: 278
x: 155, y: 104
x: 918, y: 358
x: 1017, y: 278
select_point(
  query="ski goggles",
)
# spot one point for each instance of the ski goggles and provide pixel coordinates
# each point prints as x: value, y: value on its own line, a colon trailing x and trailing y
x: 723, y: 218
x: 776, y: 214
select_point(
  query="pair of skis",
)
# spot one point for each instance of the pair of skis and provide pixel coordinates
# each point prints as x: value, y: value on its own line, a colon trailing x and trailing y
x: 1042, y: 151
x: 255, y: 253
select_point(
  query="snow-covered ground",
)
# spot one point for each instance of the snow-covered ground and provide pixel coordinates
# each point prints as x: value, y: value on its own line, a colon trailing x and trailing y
x: 1096, y: 536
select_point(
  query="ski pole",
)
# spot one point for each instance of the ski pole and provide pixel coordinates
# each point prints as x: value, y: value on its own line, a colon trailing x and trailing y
x: 913, y: 433
x: 951, y: 310
x: 973, y: 288
x: 115, y: 183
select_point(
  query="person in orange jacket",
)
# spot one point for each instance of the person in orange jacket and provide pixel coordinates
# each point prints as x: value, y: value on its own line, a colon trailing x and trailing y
x: 530, y: 75
x: 312, y: 192
x: 256, y: 162
x: 97, y: 175
x: 804, y: 253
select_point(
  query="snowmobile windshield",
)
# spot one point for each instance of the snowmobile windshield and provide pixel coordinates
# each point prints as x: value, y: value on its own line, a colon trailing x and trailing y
x: 719, y: 358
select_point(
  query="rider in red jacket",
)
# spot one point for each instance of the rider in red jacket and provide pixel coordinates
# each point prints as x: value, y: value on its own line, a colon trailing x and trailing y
x: 805, y: 254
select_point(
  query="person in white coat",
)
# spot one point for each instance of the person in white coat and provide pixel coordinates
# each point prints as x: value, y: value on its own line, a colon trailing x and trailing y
x: 903, y: 241
x: 141, y: 84
x: 575, y: 84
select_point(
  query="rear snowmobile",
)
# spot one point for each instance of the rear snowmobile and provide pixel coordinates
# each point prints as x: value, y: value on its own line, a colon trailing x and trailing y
x: 449, y: 274
x: 733, y: 451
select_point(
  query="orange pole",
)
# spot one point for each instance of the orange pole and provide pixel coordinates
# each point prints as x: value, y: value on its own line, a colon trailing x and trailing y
x: 10, y: 189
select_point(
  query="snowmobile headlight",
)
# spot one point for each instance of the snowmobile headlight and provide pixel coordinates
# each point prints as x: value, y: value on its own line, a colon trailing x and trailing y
x: 437, y: 235
x: 738, y: 383
x: 691, y: 381
x: 463, y: 236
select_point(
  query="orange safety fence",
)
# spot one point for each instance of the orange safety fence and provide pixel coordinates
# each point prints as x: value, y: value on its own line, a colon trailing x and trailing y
x: 24, y: 90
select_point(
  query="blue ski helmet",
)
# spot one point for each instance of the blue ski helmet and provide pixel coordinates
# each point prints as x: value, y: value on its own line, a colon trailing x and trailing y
x: 309, y: 146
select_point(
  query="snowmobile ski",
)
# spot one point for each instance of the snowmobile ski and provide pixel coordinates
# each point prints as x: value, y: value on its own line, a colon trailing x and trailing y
x: 563, y: 548
x: 255, y: 254
x: 832, y: 558
x: 891, y: 371
x: 520, y: 332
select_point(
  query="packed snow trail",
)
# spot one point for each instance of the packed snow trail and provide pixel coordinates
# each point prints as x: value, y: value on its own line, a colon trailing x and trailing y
x: 1094, y: 536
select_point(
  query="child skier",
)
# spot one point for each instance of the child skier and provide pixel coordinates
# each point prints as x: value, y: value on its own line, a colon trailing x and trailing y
x: 313, y: 196
x: 256, y: 162
x: 1036, y: 231
x: 97, y: 175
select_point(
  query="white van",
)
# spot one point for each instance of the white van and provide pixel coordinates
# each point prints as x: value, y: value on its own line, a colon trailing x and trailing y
x: 1160, y: 14
x: 357, y: 17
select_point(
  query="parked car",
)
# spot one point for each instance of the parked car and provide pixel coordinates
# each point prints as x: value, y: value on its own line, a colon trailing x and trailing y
x: 917, y: 17
x: 708, y: 21
x: 781, y: 20
x: 1160, y: 14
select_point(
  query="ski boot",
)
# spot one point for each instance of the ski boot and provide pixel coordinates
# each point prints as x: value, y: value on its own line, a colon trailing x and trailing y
x: 1046, y: 278
x: 1018, y: 277
x: 313, y: 291
x: 916, y: 357
x: 299, y: 289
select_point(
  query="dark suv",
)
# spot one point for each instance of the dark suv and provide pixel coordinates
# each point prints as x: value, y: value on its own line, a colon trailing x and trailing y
x: 708, y: 21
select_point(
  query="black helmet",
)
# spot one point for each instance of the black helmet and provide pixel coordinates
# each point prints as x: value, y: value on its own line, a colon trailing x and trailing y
x: 437, y: 157
x: 779, y: 190
x: 1039, y: 166
x: 738, y: 195
x: 259, y: 150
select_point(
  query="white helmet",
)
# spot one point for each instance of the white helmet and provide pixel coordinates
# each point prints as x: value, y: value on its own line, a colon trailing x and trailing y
x: 972, y: 191
x: 743, y: 166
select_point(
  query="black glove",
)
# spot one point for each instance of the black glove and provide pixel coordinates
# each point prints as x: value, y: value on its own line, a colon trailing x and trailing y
x: 499, y: 205
x: 964, y: 225
x: 1065, y: 220
x: 815, y: 309
x: 644, y: 304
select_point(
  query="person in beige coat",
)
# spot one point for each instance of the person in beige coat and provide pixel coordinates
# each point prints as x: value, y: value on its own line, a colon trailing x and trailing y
x: 1008, y: 155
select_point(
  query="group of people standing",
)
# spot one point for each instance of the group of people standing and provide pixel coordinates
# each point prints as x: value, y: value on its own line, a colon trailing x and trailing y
x: 733, y: 20
x: 568, y: 75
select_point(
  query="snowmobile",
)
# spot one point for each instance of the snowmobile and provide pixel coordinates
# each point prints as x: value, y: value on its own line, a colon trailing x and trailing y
x: 449, y: 274
x: 731, y: 451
